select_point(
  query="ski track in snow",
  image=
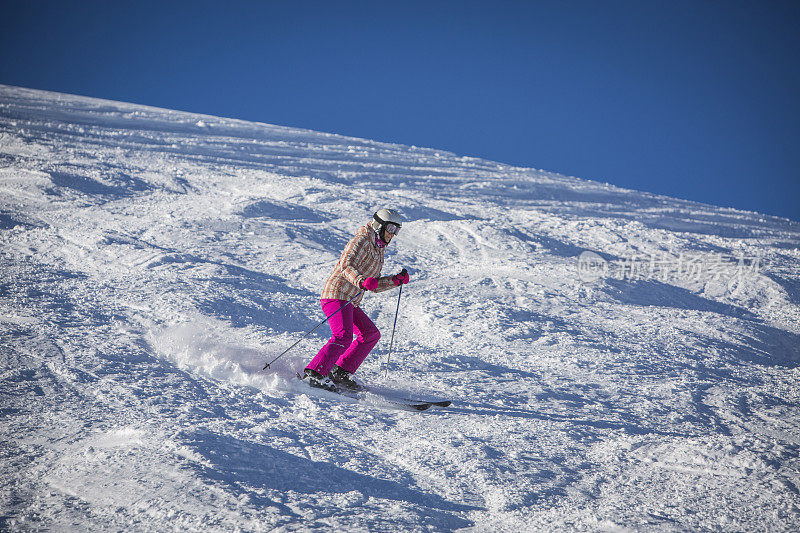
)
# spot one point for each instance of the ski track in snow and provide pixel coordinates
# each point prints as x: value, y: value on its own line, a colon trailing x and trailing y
x: 153, y: 260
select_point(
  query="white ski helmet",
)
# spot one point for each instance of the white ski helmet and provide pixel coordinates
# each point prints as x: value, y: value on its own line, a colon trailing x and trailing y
x: 384, y: 219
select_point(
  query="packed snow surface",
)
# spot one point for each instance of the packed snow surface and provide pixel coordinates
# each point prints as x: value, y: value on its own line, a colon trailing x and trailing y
x: 153, y: 261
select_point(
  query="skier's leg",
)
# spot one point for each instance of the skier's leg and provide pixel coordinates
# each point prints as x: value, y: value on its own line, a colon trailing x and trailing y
x: 367, y: 336
x: 342, y: 336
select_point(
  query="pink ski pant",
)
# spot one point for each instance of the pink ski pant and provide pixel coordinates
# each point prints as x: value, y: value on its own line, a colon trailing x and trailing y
x: 341, y: 349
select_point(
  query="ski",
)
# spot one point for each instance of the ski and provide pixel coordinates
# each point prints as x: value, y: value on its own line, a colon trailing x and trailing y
x: 421, y: 406
x: 376, y: 398
x: 432, y: 403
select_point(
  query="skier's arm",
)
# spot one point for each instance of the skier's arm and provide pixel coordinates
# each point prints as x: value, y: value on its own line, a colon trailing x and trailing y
x: 390, y: 282
x: 351, y: 253
x: 385, y: 283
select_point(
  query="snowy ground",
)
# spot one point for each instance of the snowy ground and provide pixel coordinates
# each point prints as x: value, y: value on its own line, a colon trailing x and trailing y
x: 153, y: 260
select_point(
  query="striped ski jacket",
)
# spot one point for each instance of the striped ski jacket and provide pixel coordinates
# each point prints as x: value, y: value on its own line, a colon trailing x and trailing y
x: 361, y: 259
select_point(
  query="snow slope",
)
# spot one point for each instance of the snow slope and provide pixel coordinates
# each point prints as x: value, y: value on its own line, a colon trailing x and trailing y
x: 153, y: 260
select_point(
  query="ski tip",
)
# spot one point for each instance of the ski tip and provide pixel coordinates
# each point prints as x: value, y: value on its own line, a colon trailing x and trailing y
x: 430, y: 403
x: 422, y: 406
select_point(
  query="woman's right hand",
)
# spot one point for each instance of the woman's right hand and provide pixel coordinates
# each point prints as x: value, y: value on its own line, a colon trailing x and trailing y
x: 369, y: 284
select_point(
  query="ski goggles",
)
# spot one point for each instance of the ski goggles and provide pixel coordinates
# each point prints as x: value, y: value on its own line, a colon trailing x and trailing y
x: 392, y: 228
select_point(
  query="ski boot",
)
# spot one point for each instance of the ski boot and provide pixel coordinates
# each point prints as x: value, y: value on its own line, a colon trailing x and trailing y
x: 344, y: 379
x: 318, y: 381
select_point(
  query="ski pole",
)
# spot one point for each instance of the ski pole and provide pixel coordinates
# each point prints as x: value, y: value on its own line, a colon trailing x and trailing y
x: 312, y: 331
x: 397, y: 311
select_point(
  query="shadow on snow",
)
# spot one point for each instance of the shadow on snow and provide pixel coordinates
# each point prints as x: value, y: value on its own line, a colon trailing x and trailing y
x: 248, y: 468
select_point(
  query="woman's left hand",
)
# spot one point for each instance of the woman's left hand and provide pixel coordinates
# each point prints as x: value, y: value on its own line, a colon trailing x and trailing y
x: 402, y: 278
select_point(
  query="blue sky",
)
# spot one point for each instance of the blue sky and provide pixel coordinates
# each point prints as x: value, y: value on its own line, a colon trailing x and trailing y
x: 697, y: 100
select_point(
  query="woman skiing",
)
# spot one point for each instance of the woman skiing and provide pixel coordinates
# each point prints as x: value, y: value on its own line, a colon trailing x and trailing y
x: 357, y: 270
